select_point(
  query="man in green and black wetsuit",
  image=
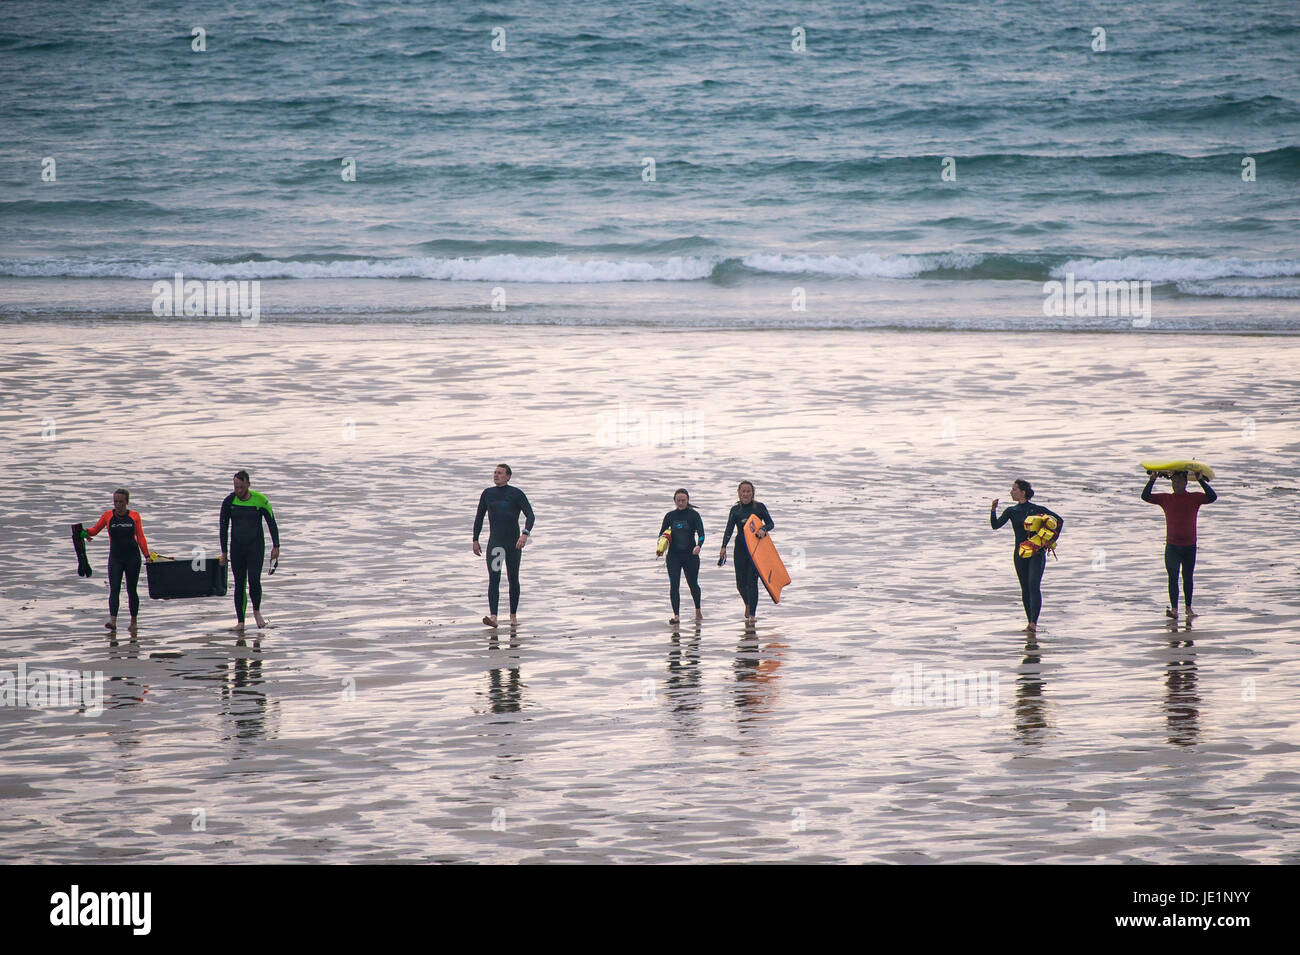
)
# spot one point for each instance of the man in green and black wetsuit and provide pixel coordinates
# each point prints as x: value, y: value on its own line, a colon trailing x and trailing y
x: 242, y: 513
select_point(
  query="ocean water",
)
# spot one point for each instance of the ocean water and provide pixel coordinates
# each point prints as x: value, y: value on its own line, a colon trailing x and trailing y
x: 528, y: 168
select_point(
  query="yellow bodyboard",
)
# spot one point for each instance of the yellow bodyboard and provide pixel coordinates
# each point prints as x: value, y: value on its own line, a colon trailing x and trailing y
x: 1166, y: 468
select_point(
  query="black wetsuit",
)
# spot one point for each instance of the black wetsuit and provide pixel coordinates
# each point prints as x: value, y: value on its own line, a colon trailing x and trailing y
x: 242, y: 522
x: 1028, y: 569
x: 746, y: 573
x: 503, y: 504
x: 688, y: 533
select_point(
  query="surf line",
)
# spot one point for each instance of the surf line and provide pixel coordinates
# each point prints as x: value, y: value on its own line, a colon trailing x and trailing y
x: 1088, y: 299
x: 179, y: 297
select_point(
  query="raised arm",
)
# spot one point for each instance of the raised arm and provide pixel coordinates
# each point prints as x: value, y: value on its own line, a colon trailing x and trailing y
x: 994, y: 521
x: 1210, y: 496
x: 1146, y: 491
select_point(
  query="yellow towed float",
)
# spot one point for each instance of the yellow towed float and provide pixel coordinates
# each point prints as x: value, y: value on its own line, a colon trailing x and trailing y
x: 1043, y: 530
x: 661, y: 545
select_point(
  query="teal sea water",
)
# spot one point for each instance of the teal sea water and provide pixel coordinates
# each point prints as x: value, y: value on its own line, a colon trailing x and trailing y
x: 528, y: 165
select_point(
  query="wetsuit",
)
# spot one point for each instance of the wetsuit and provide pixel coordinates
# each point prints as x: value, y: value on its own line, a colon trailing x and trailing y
x: 503, y: 504
x: 242, y: 522
x: 688, y: 533
x: 746, y: 573
x: 125, y: 545
x: 1029, y: 570
x: 1180, y: 533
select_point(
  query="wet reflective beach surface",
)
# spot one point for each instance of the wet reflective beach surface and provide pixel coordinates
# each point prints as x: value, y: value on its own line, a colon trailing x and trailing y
x: 889, y: 710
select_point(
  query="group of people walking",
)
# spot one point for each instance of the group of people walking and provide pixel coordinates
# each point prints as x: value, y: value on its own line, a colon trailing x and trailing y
x: 242, y: 543
x: 244, y: 511
x: 1180, y: 509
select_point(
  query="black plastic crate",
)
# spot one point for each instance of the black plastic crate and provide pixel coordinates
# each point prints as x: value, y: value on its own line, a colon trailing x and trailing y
x: 169, y: 579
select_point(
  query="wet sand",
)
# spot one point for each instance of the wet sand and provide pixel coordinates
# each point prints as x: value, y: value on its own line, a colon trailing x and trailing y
x: 378, y: 720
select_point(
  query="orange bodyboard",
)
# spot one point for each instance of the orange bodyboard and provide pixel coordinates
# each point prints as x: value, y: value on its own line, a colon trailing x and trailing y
x: 771, y: 571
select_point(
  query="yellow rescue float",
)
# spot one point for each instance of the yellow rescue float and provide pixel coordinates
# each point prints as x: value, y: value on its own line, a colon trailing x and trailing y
x: 1043, y: 530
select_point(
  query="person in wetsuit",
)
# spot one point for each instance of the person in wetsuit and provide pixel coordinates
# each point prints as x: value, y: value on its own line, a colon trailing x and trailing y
x: 1028, y: 569
x: 242, y: 514
x: 1180, y: 510
x: 126, y: 544
x: 684, y: 551
x: 746, y: 573
x: 502, y: 504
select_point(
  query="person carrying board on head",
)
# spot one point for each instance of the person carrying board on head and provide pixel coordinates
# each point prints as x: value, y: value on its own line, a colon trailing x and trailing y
x: 1180, y: 509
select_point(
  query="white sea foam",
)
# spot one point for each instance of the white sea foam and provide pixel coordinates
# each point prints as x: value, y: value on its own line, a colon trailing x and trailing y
x: 1159, y: 268
x: 492, y: 268
x: 1222, y: 290
x: 866, y: 265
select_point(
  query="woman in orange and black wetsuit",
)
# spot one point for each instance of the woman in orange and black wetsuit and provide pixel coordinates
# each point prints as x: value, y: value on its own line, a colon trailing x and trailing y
x: 125, y: 534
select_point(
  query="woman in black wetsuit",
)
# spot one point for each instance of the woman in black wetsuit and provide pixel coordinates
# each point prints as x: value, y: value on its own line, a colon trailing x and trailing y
x: 746, y: 574
x: 1028, y: 569
x: 684, y: 551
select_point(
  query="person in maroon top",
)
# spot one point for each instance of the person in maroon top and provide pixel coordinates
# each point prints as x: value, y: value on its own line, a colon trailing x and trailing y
x: 125, y: 535
x: 1180, y: 510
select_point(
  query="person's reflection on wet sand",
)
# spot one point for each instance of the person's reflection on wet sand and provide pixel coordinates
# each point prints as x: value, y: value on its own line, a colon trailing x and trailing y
x: 241, y: 700
x: 1031, y: 704
x: 505, y: 685
x: 1182, y: 704
x: 683, y: 691
x: 756, y: 677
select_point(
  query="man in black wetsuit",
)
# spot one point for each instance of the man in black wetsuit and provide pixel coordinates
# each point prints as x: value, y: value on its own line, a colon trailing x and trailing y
x: 242, y: 513
x: 502, y: 504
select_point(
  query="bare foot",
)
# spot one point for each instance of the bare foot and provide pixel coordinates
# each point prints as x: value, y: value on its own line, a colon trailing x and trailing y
x: 261, y: 621
x: 514, y: 620
x: 131, y: 628
x: 698, y: 615
x: 489, y: 621
x: 1171, y: 613
x: 1032, y: 628
x: 112, y: 623
x: 673, y: 619
x: 238, y: 628
x: 1190, y: 615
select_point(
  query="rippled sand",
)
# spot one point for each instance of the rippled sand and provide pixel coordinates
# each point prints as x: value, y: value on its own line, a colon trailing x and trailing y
x: 379, y: 721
